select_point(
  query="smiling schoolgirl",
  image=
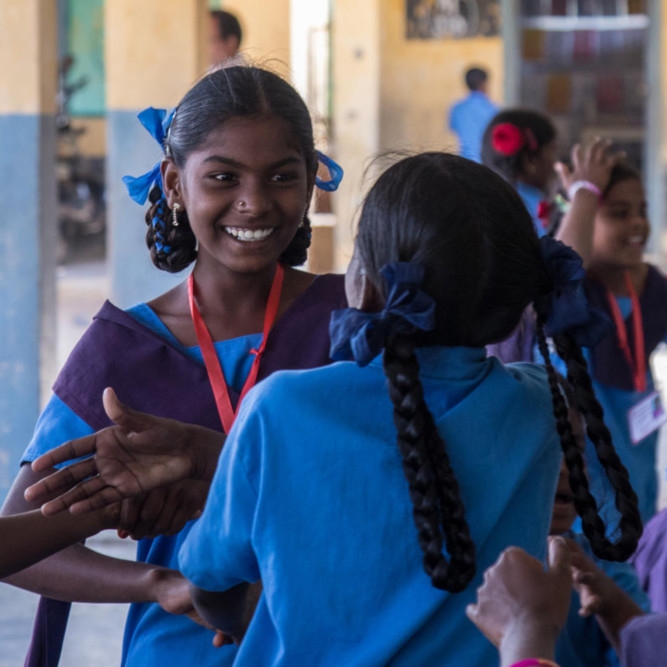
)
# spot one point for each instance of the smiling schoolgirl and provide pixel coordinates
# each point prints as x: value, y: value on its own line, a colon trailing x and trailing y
x: 231, y: 195
x: 608, y: 226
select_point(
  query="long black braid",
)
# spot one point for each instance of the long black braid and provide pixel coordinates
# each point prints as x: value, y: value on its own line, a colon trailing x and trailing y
x: 172, y: 248
x: 630, y: 525
x: 434, y: 491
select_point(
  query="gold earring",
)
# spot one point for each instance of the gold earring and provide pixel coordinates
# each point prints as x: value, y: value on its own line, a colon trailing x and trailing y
x: 174, y: 209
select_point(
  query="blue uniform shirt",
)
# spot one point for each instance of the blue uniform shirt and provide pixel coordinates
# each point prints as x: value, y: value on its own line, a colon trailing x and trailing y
x: 468, y: 120
x: 310, y: 497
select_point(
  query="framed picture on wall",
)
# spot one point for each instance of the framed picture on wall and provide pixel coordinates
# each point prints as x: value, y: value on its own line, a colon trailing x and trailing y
x: 452, y: 19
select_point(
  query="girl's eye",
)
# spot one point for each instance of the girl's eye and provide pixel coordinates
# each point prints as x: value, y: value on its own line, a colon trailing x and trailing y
x: 225, y: 177
x: 284, y: 177
x: 619, y: 213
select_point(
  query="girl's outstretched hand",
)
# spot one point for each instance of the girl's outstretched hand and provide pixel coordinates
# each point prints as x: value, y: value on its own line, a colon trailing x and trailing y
x: 140, y: 453
x: 521, y: 608
x: 592, y: 163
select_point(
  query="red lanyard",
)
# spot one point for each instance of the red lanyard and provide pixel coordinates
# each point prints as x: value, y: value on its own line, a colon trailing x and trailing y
x: 638, y: 363
x: 211, y: 361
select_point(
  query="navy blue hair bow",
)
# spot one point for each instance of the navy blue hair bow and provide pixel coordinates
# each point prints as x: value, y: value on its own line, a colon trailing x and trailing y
x: 566, y: 308
x: 157, y: 122
x: 361, y: 336
x: 335, y: 171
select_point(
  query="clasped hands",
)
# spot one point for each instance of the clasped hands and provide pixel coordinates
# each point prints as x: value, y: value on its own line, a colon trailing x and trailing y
x: 155, y: 471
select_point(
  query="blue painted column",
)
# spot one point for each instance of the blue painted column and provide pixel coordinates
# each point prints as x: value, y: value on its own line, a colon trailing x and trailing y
x: 28, y: 224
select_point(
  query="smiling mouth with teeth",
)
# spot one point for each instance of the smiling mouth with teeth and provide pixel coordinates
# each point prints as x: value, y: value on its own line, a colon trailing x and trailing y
x: 244, y: 234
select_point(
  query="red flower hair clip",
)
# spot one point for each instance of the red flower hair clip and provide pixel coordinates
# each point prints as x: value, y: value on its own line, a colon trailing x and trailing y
x: 507, y: 139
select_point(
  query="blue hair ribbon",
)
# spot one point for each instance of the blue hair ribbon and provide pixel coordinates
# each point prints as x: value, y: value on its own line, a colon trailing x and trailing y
x: 566, y: 308
x: 157, y: 122
x: 335, y: 171
x: 358, y: 335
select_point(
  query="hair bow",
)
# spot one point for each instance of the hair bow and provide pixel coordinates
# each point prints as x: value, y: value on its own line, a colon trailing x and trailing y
x: 361, y: 336
x: 157, y: 122
x: 508, y: 139
x: 565, y: 308
x: 335, y: 171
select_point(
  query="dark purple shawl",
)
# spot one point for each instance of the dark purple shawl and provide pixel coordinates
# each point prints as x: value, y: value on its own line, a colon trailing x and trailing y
x: 152, y: 376
x: 650, y: 561
x: 608, y: 364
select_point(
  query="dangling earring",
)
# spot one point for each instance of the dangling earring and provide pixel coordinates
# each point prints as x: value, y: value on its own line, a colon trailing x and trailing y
x: 174, y: 210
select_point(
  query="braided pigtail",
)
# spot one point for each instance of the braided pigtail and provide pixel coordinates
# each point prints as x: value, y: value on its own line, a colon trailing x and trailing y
x: 173, y: 248
x: 296, y: 252
x: 583, y: 499
x: 434, y: 491
x: 630, y: 525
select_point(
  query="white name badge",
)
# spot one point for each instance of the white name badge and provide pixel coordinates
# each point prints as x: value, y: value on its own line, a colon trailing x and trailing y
x: 646, y: 417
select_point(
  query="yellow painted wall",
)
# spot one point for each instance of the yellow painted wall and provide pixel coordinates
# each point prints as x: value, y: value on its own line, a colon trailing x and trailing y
x: 356, y: 109
x: 266, y: 31
x: 422, y: 78
x: 154, y: 51
x: 28, y: 56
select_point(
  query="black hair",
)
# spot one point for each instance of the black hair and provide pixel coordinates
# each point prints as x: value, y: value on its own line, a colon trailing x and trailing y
x: 537, y: 131
x: 475, y: 78
x: 622, y: 171
x: 228, y: 25
x: 221, y: 95
x: 483, y: 266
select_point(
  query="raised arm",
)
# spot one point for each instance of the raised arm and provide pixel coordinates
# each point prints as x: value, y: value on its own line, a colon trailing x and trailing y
x: 585, y: 182
x: 140, y: 453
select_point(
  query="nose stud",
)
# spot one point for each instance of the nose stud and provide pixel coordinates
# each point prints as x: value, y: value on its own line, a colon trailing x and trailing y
x: 240, y: 203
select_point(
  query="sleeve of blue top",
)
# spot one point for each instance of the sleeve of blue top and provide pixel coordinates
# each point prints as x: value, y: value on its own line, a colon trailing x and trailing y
x: 217, y: 553
x: 57, y: 424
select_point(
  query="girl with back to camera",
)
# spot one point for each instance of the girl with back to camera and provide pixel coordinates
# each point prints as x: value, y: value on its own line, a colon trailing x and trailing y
x: 520, y: 145
x: 327, y: 473
x: 231, y: 195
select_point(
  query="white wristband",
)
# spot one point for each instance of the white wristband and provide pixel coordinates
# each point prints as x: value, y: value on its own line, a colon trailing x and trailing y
x: 583, y: 185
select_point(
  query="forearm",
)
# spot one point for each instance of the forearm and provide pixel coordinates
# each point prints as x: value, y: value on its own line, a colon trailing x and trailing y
x: 229, y: 611
x: 576, y: 229
x: 78, y: 574
x: 30, y: 537
x: 613, y: 620
x: 527, y: 640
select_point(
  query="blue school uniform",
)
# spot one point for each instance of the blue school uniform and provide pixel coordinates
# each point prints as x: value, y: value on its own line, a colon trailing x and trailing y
x: 152, y: 636
x: 582, y: 643
x: 162, y: 377
x: 310, y: 497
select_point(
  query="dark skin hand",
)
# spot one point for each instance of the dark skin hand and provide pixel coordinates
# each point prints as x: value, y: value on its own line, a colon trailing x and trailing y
x: 140, y: 453
x: 521, y: 608
x: 229, y: 610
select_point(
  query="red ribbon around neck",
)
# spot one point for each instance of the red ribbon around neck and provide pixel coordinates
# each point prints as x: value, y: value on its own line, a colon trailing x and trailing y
x: 214, y: 368
x: 637, y: 361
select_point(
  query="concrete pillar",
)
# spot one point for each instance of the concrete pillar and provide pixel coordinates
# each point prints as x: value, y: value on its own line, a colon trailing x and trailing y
x: 28, y: 227
x: 356, y: 108
x: 154, y: 51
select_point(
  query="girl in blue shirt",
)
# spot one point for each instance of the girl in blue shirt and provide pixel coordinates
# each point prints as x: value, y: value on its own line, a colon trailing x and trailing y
x: 340, y: 488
